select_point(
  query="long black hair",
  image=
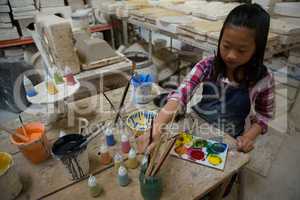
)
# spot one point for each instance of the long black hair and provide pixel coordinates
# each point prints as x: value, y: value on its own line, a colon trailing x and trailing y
x: 254, y: 17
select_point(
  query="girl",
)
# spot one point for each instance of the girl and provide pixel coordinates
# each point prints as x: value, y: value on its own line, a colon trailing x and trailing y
x: 234, y: 80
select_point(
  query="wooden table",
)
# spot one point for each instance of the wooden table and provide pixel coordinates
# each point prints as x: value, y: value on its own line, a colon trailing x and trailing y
x: 181, y: 179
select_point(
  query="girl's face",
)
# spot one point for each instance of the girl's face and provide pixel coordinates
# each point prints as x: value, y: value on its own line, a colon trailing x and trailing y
x: 237, y: 46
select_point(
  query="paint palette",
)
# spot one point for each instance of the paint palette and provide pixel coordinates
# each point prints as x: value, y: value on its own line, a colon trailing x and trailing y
x: 140, y: 121
x: 205, y: 152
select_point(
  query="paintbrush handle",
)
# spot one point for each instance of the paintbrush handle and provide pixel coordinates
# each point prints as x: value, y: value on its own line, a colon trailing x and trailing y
x: 93, y: 135
x: 164, y: 156
x: 11, y: 133
x: 23, y: 127
x: 152, y: 161
x: 122, y: 101
x: 151, y: 132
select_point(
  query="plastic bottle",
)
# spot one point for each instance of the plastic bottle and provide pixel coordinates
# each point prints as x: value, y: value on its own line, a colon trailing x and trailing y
x: 118, y: 161
x: 69, y: 76
x: 132, y: 162
x: 110, y: 140
x: 123, y: 178
x: 58, y: 79
x: 125, y: 145
x: 51, y: 88
x: 29, y: 88
x: 94, y: 187
x: 105, y: 157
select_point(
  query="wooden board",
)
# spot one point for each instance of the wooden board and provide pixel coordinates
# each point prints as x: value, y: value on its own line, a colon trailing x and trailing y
x: 104, y: 62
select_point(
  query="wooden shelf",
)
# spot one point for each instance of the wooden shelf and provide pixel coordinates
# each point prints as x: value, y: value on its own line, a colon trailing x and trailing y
x: 16, y: 42
x: 29, y: 40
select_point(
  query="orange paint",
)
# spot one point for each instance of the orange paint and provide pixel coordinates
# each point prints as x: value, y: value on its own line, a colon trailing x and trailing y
x: 180, y: 150
x: 36, y: 148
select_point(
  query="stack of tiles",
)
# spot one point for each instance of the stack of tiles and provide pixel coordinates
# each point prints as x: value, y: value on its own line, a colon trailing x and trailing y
x: 50, y: 3
x: 187, y: 7
x: 7, y: 29
x: 199, y: 29
x: 152, y: 14
x: 23, y: 12
x: 289, y: 31
x: 76, y: 4
x: 57, y: 40
x: 214, y: 10
x: 294, y: 56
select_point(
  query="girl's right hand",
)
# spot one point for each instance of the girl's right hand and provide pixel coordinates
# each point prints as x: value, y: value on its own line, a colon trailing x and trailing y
x: 143, y: 142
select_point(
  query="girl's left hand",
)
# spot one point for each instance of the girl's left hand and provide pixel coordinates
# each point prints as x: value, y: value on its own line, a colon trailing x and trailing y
x: 245, y: 144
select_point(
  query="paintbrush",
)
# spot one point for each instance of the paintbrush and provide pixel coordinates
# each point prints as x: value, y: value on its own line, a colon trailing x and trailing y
x: 23, y: 127
x: 152, y: 161
x: 150, y: 138
x: 93, y: 135
x: 22, y: 137
x: 109, y: 101
x: 165, y: 154
x: 125, y: 93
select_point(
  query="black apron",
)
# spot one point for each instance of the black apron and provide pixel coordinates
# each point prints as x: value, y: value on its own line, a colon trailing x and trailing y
x: 224, y: 106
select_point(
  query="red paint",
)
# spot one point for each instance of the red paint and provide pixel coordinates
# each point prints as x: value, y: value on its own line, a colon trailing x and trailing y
x: 125, y: 147
x: 70, y: 79
x: 196, y: 154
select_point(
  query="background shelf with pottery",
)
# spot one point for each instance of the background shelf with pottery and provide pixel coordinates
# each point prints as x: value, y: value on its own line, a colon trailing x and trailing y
x: 205, y: 152
x: 43, y: 97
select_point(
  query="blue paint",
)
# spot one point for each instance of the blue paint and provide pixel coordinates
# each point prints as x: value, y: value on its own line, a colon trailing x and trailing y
x: 31, y: 93
x: 110, y: 140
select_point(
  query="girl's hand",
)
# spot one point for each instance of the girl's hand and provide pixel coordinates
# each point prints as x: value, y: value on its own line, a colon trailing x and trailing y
x: 245, y: 144
x: 143, y: 141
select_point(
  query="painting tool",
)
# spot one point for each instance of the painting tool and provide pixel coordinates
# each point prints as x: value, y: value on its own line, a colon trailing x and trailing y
x: 125, y: 93
x: 109, y: 101
x: 22, y: 137
x: 79, y: 144
x: 150, y: 137
x: 152, y: 161
x: 151, y: 132
x: 23, y: 127
x: 165, y: 154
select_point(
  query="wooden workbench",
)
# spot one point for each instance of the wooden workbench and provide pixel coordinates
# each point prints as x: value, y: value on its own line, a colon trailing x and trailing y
x: 181, y: 179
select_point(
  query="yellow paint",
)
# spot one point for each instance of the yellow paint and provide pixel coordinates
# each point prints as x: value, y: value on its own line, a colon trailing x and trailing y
x: 214, y: 159
x: 51, y: 88
x: 187, y: 138
x: 5, y: 162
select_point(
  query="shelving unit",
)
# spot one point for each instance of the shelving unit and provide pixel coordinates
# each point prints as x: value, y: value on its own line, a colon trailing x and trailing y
x: 29, y: 40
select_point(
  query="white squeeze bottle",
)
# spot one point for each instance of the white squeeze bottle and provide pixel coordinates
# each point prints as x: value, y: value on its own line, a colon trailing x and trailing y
x: 94, y: 187
x: 29, y: 88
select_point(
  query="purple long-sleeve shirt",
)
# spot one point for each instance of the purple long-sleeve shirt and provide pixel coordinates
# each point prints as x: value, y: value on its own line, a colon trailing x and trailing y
x: 261, y: 95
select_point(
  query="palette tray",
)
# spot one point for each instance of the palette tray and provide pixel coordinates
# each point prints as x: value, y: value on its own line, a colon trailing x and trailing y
x: 204, y: 152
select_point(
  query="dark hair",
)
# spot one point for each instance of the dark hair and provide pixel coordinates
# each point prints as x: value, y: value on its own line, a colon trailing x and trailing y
x: 254, y: 17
